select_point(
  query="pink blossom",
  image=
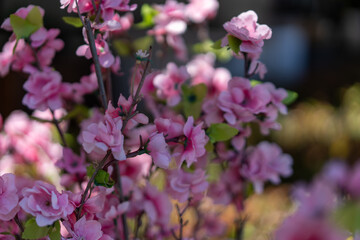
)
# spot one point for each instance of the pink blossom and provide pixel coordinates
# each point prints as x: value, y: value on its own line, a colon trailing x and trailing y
x: 246, y: 28
x: 257, y: 67
x: 201, y: 68
x: 200, y: 10
x: 159, y: 150
x: 241, y: 101
x: 21, y: 57
x: 156, y: 205
x: 177, y: 43
x: 117, y: 24
x: 21, y: 12
x: 44, y: 90
x: 136, y: 168
x: 170, y: 19
x: 49, y: 44
x: 298, y: 227
x: 71, y: 162
x: 105, y: 135
x: 9, y: 200
x: 45, y: 203
x: 31, y: 139
x: 182, y: 185
x: 213, y: 225
x: 123, y: 109
x: 266, y: 162
x: 169, y: 127
x: 108, y: 7
x: 6, y: 58
x: 106, y: 58
x: 194, y: 145
x: 169, y: 83
x: 352, y: 183
x: 316, y: 200
x: 83, y: 229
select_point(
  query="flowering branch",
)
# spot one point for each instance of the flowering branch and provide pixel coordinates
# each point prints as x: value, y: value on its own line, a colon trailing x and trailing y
x: 137, y: 98
x: 88, y: 186
x: 86, y: 23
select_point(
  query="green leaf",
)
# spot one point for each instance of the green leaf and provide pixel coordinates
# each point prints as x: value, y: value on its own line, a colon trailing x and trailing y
x: 292, y: 96
x: 193, y: 99
x: 33, y: 231
x: 102, y: 178
x: 122, y: 47
x: 220, y: 132
x: 217, y: 45
x: 54, y: 233
x: 348, y: 216
x: 143, y: 42
x: 222, y: 54
x: 73, y: 21
x: 255, y: 82
x: 23, y: 28
x: 213, y: 171
x: 234, y: 44
x: 148, y: 13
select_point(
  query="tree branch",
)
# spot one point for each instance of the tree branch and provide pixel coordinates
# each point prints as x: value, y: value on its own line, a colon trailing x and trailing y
x: 88, y: 186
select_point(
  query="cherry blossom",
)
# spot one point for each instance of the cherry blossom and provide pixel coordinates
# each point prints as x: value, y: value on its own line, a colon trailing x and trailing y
x: 45, y: 203
x: 9, y: 199
x: 251, y: 34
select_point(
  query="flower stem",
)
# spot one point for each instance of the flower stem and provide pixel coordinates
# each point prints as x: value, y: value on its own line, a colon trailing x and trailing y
x: 56, y: 123
x: 118, y: 187
x: 88, y: 186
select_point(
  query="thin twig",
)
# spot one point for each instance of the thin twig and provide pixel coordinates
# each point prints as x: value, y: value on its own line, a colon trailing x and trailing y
x: 118, y: 187
x: 90, y: 35
x: 138, y: 225
x: 240, y: 223
x: 181, y: 220
x: 91, y: 39
x: 19, y: 223
x: 56, y: 123
x: 88, y: 186
x: 137, y: 97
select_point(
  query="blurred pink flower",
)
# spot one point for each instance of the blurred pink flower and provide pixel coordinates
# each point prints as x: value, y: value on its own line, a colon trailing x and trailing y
x: 159, y: 150
x: 201, y: 10
x: 21, y: 12
x: 168, y: 83
x: 266, y: 162
x: 44, y: 90
x: 246, y: 28
x: 182, y: 185
x: 45, y: 203
x: 71, y: 162
x: 83, y: 229
x: 298, y: 227
x: 9, y: 199
x: 156, y: 205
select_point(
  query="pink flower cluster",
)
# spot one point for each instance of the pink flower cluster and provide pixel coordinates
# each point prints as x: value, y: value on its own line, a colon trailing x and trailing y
x: 242, y: 103
x: 164, y: 158
x: 42, y: 48
x: 172, y: 19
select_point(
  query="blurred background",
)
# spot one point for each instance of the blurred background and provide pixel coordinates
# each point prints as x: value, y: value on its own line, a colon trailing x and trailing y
x: 315, y: 51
